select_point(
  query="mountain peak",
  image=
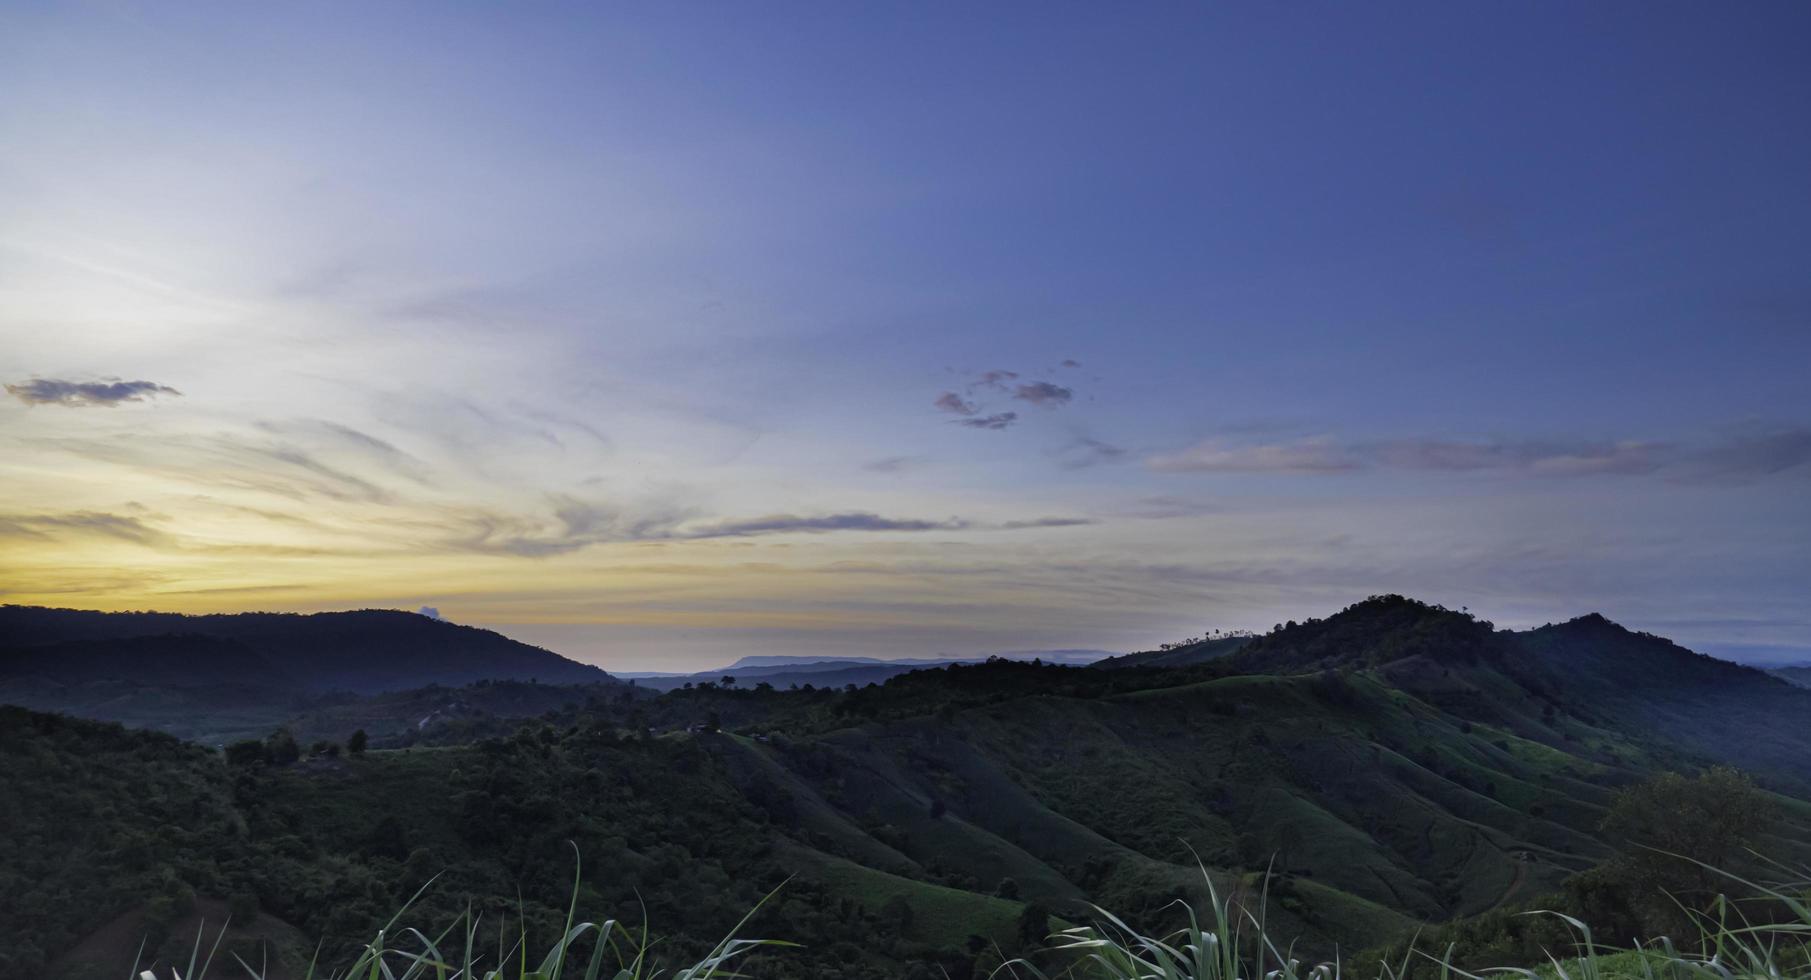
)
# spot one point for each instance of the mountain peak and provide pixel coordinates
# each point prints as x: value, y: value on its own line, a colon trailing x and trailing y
x: 1378, y: 630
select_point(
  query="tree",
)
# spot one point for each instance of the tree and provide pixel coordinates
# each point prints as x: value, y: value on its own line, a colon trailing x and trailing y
x: 1033, y: 926
x: 356, y: 744
x: 245, y: 752
x: 280, y: 749
x: 1679, y: 834
x: 729, y: 680
x: 712, y: 723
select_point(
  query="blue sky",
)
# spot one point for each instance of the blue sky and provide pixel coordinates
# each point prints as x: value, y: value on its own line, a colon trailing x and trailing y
x: 631, y: 331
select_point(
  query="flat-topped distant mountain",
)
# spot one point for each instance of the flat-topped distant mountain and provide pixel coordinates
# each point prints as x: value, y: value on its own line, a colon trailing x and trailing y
x: 1048, y: 656
x: 363, y: 651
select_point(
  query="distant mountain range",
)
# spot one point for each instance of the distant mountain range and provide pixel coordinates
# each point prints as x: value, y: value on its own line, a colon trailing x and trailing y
x: 786, y: 672
x: 1799, y: 674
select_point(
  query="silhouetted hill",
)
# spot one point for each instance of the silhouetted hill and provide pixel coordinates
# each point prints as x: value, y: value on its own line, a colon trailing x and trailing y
x: 1588, y: 669
x: 185, y: 660
x: 1649, y: 685
x: 1380, y: 630
x: 365, y: 651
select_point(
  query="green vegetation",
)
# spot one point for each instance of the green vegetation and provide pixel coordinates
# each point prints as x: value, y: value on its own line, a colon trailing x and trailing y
x: 1391, y: 770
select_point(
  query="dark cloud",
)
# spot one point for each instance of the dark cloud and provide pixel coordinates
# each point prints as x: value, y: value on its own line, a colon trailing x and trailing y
x: 1048, y: 522
x: 1043, y: 393
x: 788, y: 524
x: 955, y: 404
x: 82, y: 394
x: 579, y: 524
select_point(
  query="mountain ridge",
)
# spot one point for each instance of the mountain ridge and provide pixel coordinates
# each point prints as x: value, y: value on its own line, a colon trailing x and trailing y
x: 364, y: 651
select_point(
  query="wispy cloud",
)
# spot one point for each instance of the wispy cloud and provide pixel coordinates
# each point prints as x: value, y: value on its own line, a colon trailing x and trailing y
x: 99, y: 523
x: 892, y: 464
x: 1082, y: 452
x: 1318, y: 455
x: 791, y: 524
x: 1742, y: 457
x: 996, y: 379
x: 1751, y: 455
x: 1557, y: 459
x: 84, y: 394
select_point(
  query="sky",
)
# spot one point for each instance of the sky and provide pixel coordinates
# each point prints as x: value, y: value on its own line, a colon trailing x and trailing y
x: 669, y: 334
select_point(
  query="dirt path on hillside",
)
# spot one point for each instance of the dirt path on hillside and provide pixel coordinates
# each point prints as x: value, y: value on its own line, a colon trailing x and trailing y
x: 1520, y: 878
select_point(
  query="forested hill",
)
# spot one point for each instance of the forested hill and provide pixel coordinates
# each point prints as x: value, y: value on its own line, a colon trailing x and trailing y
x: 364, y: 651
x: 1588, y: 668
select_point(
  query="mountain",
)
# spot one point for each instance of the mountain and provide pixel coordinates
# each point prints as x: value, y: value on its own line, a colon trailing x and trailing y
x: 1588, y: 669
x: 365, y: 651
x: 220, y: 678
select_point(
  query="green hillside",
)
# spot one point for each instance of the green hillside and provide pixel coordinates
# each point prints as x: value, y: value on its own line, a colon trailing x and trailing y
x: 1392, y: 766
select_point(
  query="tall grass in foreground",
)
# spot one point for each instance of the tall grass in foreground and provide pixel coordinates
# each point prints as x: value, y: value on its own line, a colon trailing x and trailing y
x: 617, y: 952
x: 1235, y: 945
x: 1232, y: 943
